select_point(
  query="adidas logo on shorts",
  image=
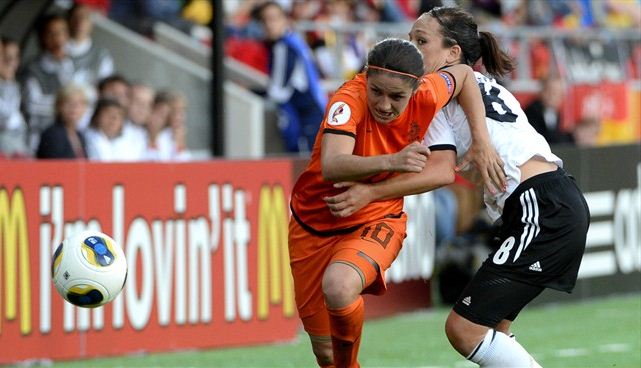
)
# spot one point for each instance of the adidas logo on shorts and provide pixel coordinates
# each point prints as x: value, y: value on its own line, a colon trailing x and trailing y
x: 467, y: 300
x: 536, y: 266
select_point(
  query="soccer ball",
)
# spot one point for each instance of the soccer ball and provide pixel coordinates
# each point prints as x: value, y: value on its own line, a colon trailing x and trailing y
x: 89, y: 269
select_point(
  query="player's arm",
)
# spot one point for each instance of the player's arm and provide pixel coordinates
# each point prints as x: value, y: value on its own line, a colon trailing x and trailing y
x: 438, y: 171
x: 481, y: 153
x: 338, y: 163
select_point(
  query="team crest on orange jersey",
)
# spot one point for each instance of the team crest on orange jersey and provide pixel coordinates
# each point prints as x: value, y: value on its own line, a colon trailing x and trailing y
x: 339, y: 113
x: 413, y: 133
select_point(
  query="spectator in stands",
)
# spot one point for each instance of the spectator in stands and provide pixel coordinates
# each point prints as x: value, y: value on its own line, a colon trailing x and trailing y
x: 178, y: 124
x: 389, y: 11
x: 305, y: 10
x: 586, y: 131
x: 105, y: 133
x: 198, y: 11
x: 158, y: 138
x: 62, y: 139
x: 100, y: 6
x: 166, y: 128
x: 199, y: 14
x: 544, y: 113
x: 13, y: 128
x: 618, y: 13
x: 115, y: 87
x: 354, y: 45
x: 140, y: 15
x: 92, y: 61
x: 131, y: 135
x: 548, y: 13
x: 294, y: 81
x: 45, y: 75
x: 141, y: 100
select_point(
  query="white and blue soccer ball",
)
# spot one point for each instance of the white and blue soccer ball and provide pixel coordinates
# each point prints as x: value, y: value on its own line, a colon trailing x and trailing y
x: 89, y: 269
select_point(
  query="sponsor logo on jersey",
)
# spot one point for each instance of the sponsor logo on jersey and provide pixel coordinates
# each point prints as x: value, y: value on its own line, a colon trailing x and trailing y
x: 339, y: 113
x: 536, y: 266
x: 448, y: 80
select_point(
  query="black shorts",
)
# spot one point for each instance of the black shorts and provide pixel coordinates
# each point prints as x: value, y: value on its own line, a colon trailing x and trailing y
x: 540, y: 243
x: 488, y: 299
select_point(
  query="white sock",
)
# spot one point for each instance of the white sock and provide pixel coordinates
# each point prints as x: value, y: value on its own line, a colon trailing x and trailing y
x: 497, y: 350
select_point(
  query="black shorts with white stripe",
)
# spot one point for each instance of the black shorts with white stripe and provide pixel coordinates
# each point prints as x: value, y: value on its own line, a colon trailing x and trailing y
x: 542, y: 236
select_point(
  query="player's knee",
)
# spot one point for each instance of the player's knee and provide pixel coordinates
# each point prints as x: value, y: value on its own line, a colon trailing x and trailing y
x: 337, y: 292
x: 341, y: 286
x: 457, y: 334
x: 504, y: 326
x: 452, y: 330
x: 463, y: 335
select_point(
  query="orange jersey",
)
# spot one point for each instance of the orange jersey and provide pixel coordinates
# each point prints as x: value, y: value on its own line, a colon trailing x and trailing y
x: 348, y: 114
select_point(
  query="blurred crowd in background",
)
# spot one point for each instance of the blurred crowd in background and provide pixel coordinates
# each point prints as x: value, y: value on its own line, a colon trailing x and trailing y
x: 70, y: 101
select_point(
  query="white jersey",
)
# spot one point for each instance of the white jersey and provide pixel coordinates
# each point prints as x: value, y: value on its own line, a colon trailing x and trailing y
x: 510, y: 133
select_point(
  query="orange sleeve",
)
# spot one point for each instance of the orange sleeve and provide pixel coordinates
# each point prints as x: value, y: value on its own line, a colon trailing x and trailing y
x: 346, y: 109
x: 442, y: 85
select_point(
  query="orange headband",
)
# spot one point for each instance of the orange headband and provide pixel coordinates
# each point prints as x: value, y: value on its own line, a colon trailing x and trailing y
x: 391, y: 71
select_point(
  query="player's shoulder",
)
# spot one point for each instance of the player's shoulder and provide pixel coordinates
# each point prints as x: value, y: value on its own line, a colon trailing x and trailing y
x: 353, y: 93
x: 354, y: 87
x: 441, y: 76
x: 482, y: 78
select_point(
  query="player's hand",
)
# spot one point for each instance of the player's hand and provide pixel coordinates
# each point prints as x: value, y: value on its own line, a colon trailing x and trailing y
x: 353, y: 199
x: 489, y: 165
x: 411, y: 158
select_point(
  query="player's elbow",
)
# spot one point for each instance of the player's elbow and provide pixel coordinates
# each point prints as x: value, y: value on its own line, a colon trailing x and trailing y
x: 329, y: 174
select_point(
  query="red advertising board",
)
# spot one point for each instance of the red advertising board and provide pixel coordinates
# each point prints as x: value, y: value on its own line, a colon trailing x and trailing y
x: 206, y: 245
x: 606, y: 101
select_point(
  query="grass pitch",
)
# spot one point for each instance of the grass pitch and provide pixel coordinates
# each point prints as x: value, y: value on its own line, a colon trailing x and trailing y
x: 596, y: 333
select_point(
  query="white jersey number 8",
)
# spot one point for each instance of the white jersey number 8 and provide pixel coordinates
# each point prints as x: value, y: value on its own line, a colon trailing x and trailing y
x: 503, y: 253
x: 495, y: 107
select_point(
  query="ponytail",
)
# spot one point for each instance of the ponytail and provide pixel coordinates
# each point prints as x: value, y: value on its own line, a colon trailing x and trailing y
x: 459, y: 28
x: 496, y: 61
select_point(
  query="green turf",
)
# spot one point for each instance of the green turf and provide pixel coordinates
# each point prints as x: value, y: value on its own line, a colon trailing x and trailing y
x: 598, y: 333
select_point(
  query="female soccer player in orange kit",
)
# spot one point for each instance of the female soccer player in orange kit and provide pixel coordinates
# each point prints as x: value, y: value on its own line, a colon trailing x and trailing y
x: 370, y: 132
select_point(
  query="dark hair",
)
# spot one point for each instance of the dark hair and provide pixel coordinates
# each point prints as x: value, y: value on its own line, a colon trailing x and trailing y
x: 459, y: 28
x: 102, y: 104
x: 257, y: 11
x: 397, y: 55
x: 44, y: 22
x: 74, y: 8
x: 114, y: 78
x: 7, y: 40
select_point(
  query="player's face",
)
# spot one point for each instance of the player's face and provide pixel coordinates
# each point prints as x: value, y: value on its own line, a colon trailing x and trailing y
x: 426, y: 35
x: 387, y: 96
